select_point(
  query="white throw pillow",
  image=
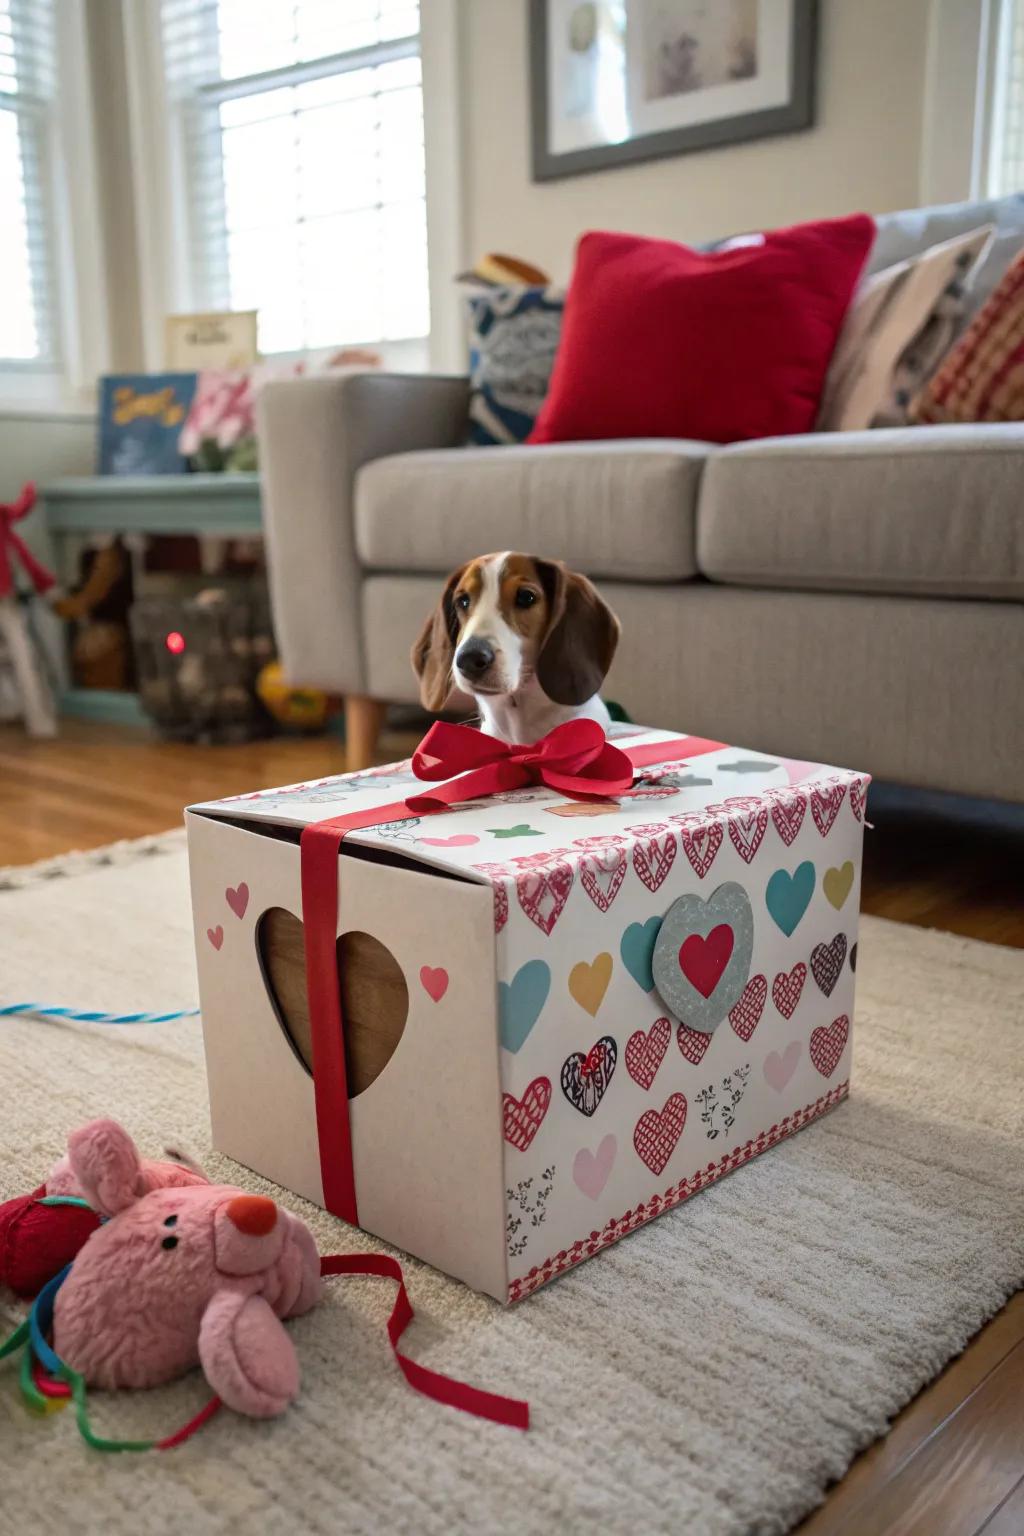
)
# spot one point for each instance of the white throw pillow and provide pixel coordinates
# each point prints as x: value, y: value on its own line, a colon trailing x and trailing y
x: 901, y: 323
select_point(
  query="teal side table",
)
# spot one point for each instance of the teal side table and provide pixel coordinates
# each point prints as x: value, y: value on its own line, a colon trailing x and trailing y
x: 222, y: 505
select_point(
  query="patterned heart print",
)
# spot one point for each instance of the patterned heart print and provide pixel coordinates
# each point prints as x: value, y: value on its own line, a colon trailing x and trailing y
x: 747, y: 821
x: 646, y: 1052
x: 789, y: 807
x: 786, y: 990
x: 827, y: 963
x: 656, y: 1133
x: 585, y: 1079
x: 825, y: 802
x: 858, y: 797
x: 827, y: 1045
x: 700, y: 841
x: 523, y: 1117
x: 746, y: 1015
x: 601, y: 875
x: 693, y: 1043
x: 654, y: 854
x: 542, y: 887
x: 498, y: 873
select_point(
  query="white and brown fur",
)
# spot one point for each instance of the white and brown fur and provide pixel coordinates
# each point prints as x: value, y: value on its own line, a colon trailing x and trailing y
x: 531, y: 641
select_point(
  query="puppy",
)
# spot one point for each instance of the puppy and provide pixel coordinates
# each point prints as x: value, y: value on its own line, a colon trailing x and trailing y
x: 531, y: 641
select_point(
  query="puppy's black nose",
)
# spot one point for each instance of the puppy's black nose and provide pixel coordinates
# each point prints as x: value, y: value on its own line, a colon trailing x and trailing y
x: 474, y: 658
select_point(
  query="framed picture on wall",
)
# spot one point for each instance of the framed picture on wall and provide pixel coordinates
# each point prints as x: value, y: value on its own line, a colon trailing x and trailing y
x: 614, y: 82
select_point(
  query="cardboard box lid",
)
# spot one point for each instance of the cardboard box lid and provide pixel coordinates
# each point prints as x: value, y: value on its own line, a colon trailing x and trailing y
x: 723, y: 785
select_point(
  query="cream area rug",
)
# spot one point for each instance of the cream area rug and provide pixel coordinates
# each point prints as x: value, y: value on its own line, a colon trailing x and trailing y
x: 710, y: 1374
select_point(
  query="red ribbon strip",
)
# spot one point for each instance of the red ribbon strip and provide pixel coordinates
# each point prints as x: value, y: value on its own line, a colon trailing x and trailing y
x: 576, y: 759
x: 443, y: 1389
x: 14, y: 550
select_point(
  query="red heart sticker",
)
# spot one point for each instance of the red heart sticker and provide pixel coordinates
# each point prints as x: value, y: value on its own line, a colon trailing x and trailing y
x: 702, y: 961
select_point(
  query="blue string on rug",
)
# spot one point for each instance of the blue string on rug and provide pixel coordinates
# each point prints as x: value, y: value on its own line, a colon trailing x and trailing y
x: 92, y: 1016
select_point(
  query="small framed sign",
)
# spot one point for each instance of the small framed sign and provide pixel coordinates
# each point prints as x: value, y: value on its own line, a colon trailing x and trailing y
x: 224, y: 340
x: 614, y: 82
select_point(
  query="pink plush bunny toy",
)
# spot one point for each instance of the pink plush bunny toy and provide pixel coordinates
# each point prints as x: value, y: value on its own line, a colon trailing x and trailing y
x: 180, y: 1277
x: 183, y: 1273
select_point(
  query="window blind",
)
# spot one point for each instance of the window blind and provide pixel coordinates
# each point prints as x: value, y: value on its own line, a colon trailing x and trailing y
x: 28, y: 304
x: 1008, y: 137
x: 298, y: 131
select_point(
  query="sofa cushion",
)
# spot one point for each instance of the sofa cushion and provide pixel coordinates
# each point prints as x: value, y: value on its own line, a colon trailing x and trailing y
x: 622, y: 510
x: 912, y: 510
x: 907, y: 233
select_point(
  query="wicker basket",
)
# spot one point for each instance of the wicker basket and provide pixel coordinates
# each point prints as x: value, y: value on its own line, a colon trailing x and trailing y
x: 197, y: 662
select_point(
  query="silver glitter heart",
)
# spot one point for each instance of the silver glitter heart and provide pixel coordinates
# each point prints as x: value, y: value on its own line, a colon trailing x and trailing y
x: 687, y: 916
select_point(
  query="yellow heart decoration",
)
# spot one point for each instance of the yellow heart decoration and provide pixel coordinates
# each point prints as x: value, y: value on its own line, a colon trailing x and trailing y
x: 837, y: 883
x: 588, y: 982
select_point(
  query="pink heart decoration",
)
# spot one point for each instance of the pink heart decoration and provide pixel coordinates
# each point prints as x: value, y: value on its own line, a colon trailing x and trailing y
x: 656, y: 1133
x: 693, y: 1043
x: 590, y: 1170
x: 786, y: 990
x: 523, y: 1117
x: 748, y: 822
x: 654, y: 853
x: 700, y: 841
x: 825, y: 802
x: 645, y: 1052
x: 435, y: 981
x: 779, y: 1069
x: 601, y: 875
x: 827, y: 1045
x: 702, y: 960
x: 238, y: 898
x: 457, y: 840
x: 215, y: 936
x: 789, y: 807
x: 746, y: 1014
x: 542, y: 888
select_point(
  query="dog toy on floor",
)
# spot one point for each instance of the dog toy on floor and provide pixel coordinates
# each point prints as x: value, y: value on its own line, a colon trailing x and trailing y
x: 178, y: 1272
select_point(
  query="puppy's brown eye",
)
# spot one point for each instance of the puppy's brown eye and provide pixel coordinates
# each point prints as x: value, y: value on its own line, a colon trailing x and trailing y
x: 462, y: 602
x: 525, y: 598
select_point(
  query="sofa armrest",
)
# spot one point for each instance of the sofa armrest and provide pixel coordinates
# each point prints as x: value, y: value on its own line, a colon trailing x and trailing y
x: 314, y: 436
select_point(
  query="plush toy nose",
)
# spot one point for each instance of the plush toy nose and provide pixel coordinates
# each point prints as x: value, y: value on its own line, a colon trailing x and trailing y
x: 254, y: 1215
x: 249, y: 1233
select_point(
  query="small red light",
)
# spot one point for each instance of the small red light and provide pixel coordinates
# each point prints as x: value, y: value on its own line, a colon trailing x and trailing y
x: 175, y: 642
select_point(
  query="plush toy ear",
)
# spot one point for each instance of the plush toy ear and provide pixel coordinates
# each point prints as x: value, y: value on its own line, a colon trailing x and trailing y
x: 247, y: 1356
x: 434, y: 651
x: 106, y: 1164
x: 582, y: 634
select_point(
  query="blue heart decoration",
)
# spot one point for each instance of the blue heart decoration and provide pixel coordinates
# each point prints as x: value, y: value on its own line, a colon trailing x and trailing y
x: 521, y: 1002
x: 637, y: 951
x: 788, y: 896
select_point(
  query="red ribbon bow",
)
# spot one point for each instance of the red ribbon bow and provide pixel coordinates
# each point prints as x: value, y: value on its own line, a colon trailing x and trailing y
x: 574, y: 758
x: 14, y: 550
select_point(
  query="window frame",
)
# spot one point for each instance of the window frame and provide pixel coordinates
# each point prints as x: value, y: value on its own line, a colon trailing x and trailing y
x: 166, y: 280
x: 69, y: 192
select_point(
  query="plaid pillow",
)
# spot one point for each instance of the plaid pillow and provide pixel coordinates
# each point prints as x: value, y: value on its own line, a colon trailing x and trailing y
x: 982, y: 378
x: 514, y: 334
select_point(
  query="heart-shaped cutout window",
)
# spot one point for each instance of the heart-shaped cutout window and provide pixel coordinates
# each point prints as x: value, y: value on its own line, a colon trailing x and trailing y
x: 374, y: 995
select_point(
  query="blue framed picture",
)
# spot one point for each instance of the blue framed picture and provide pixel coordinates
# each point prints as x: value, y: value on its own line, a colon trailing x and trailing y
x: 140, y: 421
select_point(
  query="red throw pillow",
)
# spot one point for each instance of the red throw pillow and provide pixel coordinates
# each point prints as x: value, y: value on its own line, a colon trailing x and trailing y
x: 659, y: 340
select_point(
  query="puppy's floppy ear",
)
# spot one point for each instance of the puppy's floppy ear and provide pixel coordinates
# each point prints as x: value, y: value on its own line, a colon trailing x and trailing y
x: 434, y: 651
x: 582, y: 634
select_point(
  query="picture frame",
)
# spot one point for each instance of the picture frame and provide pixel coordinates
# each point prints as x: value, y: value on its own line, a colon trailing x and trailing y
x: 224, y: 339
x: 618, y: 82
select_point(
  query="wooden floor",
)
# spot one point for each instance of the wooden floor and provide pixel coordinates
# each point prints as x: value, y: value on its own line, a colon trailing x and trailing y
x: 953, y: 1462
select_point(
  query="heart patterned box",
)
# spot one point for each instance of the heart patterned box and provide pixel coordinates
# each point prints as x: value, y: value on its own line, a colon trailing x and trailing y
x: 554, y: 1018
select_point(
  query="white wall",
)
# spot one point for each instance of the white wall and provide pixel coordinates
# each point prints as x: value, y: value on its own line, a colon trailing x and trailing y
x: 863, y: 153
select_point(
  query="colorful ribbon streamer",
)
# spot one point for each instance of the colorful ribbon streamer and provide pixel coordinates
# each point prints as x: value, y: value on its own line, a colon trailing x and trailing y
x: 92, y: 1016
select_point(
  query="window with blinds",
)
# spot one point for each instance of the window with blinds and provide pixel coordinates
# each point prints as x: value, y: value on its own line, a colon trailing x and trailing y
x: 28, y: 306
x: 299, y: 134
x: 1007, y: 168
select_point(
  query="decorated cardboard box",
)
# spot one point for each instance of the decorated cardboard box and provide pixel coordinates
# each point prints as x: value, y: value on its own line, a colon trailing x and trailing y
x: 505, y: 1033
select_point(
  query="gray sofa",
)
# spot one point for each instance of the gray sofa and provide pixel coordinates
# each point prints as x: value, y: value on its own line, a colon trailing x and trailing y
x: 856, y: 598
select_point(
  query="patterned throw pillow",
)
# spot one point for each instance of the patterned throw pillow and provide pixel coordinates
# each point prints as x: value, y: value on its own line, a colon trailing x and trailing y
x: 902, y: 322
x: 982, y: 378
x: 514, y: 334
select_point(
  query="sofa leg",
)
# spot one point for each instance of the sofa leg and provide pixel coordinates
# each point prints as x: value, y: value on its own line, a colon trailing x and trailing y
x: 363, y: 720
